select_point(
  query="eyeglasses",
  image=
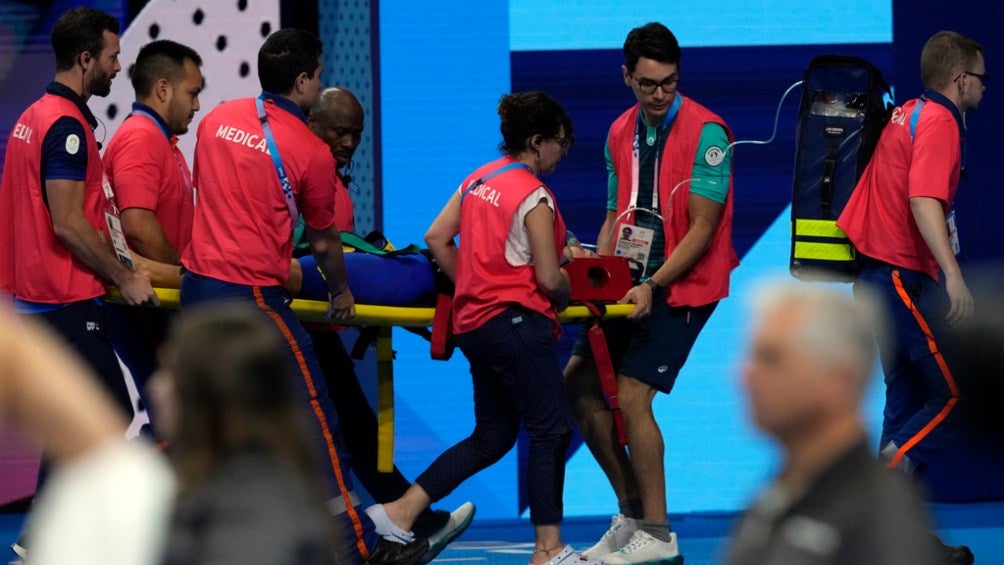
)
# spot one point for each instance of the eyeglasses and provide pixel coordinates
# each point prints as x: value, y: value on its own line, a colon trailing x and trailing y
x: 648, y: 86
x: 984, y: 79
x: 564, y: 142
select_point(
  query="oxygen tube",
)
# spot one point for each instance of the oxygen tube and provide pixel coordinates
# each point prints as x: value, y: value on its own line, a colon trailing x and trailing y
x: 728, y: 148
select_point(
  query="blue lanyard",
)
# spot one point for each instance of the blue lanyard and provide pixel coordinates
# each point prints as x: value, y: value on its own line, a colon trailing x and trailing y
x: 475, y: 183
x: 273, y: 149
x: 185, y: 178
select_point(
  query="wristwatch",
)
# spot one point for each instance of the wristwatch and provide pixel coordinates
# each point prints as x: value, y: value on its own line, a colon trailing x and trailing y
x: 652, y: 283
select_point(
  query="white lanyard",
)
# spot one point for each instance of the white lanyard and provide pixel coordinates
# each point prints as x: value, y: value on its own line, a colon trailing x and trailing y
x: 667, y: 123
x: 113, y: 220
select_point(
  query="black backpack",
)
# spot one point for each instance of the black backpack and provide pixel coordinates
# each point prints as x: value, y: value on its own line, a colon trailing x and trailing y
x: 845, y: 105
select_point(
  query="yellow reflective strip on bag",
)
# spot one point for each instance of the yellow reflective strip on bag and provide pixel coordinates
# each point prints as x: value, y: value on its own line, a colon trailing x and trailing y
x: 824, y: 251
x: 818, y: 228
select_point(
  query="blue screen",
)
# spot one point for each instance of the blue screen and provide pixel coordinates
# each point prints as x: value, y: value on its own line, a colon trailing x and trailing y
x: 443, y: 69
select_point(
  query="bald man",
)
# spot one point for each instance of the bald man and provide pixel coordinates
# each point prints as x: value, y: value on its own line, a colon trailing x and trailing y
x: 337, y: 118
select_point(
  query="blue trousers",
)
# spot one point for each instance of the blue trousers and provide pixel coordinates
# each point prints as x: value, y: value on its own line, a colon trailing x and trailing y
x: 359, y: 537
x: 517, y: 378
x: 84, y: 325
x: 920, y: 413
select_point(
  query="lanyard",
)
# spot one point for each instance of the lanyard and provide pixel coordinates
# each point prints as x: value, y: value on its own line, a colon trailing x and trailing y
x: 932, y: 96
x: 186, y: 176
x: 475, y: 183
x: 113, y: 219
x: 667, y: 123
x: 273, y: 149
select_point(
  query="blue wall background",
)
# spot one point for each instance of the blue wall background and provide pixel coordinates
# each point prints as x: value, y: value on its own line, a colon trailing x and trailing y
x: 738, y: 61
x: 442, y: 72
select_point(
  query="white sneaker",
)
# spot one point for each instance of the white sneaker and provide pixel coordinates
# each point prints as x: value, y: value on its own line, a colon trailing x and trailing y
x: 643, y: 548
x: 568, y: 556
x: 458, y: 522
x: 620, y: 532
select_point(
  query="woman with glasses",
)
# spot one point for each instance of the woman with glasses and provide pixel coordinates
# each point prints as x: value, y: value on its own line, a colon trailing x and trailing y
x: 509, y: 289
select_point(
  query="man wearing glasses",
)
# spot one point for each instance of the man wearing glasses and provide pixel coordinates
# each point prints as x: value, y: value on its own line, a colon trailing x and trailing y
x: 669, y: 165
x: 900, y: 219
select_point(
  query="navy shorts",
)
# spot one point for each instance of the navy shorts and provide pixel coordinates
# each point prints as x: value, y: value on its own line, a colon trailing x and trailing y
x: 653, y: 349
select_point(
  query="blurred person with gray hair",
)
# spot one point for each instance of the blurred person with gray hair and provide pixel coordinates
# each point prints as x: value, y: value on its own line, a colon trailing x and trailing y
x: 811, y: 357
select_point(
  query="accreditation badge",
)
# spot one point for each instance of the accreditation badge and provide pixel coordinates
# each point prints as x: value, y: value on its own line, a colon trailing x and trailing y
x: 953, y: 232
x: 634, y: 243
x: 114, y: 224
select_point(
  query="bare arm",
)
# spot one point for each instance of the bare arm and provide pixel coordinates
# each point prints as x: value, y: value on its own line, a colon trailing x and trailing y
x: 161, y: 275
x: 66, y: 206
x: 704, y: 216
x: 605, y: 241
x: 326, y: 246
x: 147, y: 237
x: 551, y: 278
x: 439, y: 237
x: 930, y: 217
x: 51, y: 393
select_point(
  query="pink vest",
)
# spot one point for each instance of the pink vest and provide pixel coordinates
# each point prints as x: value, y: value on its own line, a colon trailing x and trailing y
x: 486, y: 283
x: 707, y: 280
x: 34, y: 263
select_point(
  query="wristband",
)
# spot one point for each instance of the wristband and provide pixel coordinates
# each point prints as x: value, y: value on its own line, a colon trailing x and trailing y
x: 652, y: 284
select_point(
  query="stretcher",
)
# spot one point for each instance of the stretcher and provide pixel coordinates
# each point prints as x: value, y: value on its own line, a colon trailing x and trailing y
x: 385, y: 317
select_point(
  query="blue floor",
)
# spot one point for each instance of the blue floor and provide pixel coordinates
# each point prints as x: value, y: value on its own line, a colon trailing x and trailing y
x: 703, y: 537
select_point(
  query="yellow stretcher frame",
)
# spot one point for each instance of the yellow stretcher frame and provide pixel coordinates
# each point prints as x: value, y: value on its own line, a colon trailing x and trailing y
x: 386, y: 317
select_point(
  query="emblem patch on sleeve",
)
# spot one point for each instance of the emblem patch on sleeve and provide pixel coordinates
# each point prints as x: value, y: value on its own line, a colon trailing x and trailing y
x: 714, y: 156
x: 72, y: 144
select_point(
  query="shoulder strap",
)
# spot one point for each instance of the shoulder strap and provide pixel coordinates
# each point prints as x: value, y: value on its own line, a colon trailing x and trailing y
x: 474, y: 183
x: 915, y: 117
x: 273, y: 149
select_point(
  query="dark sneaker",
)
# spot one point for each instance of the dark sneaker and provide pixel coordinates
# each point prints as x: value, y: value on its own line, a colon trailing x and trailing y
x: 458, y: 522
x: 393, y: 553
x: 429, y: 522
x: 955, y: 554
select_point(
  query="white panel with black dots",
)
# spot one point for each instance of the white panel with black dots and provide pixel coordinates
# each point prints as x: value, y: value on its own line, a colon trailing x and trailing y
x: 344, y: 28
x: 226, y: 34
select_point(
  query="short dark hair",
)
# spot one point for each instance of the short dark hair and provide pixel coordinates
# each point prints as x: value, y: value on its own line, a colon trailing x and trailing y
x: 160, y: 59
x: 652, y: 41
x: 77, y: 31
x: 525, y: 114
x: 944, y: 55
x: 284, y: 55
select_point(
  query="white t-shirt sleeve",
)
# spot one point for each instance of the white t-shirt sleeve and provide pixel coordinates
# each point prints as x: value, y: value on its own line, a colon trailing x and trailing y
x: 111, y: 506
x: 517, y: 243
